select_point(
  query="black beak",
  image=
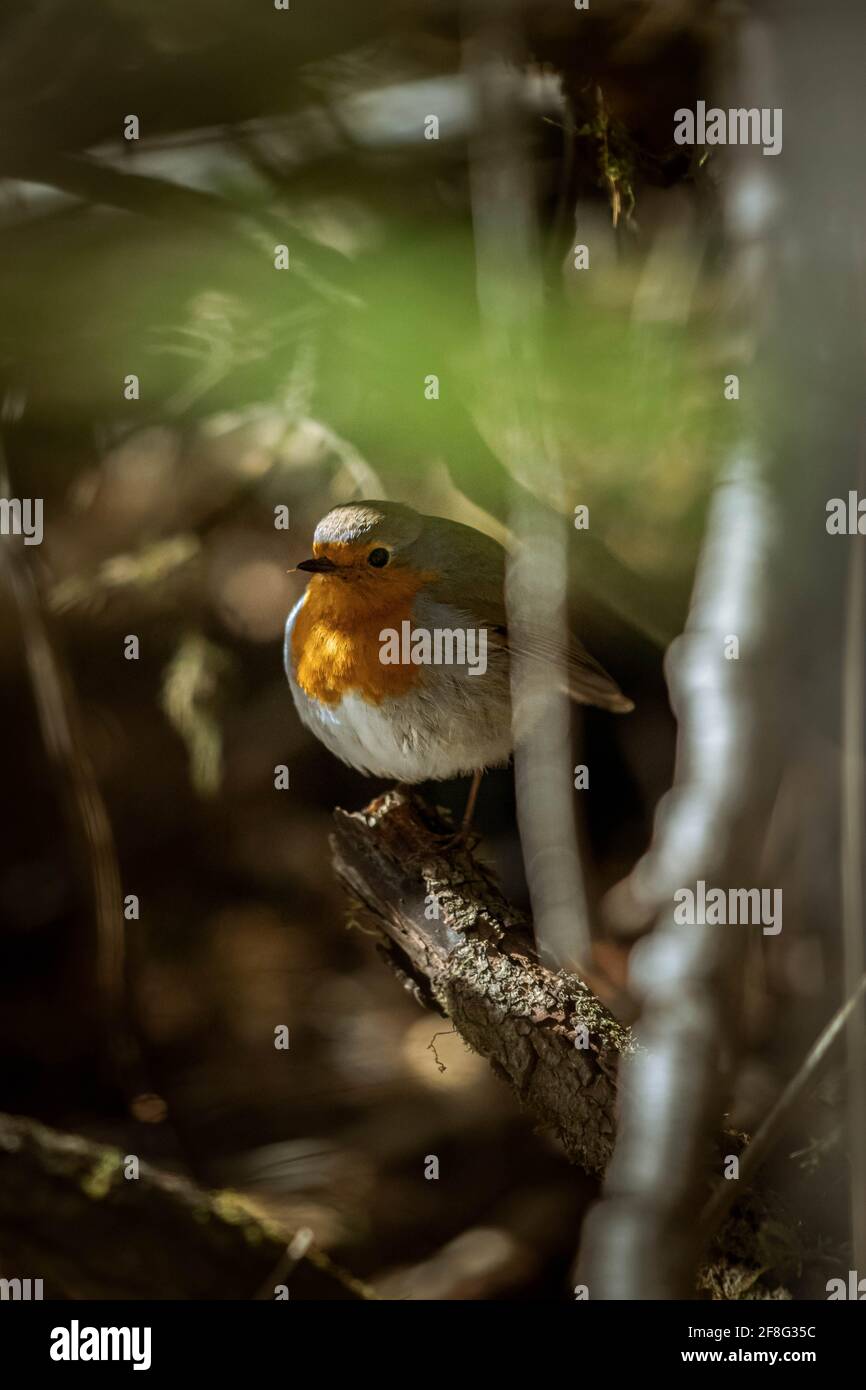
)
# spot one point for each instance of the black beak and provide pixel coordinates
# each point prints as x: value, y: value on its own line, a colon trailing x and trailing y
x: 322, y: 565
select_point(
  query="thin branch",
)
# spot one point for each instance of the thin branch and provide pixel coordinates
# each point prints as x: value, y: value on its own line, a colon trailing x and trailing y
x: 60, y: 724
x: 71, y: 1215
x: 642, y: 1240
x: 511, y: 299
x: 767, y: 1136
x: 321, y: 270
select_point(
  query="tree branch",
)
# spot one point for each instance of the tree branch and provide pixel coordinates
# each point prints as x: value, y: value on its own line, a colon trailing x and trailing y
x: 463, y: 948
x: 70, y: 1216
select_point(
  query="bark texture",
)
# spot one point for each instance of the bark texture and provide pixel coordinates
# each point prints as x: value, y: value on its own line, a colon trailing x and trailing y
x: 462, y: 947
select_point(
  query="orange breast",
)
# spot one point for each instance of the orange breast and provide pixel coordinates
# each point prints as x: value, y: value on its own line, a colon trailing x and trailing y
x: 336, y: 642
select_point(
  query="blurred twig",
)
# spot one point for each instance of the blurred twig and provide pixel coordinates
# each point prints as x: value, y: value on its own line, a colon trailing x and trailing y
x: 150, y: 565
x: 68, y: 1210
x: 642, y: 1240
x: 60, y: 722
x: 189, y: 692
x: 511, y: 301
x: 761, y: 1144
x: 321, y: 271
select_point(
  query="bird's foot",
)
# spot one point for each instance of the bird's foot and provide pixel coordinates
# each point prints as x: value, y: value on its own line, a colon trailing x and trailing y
x: 462, y: 838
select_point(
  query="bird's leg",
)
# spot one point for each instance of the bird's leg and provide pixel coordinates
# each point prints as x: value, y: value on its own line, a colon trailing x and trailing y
x: 471, y: 800
x: 451, y: 838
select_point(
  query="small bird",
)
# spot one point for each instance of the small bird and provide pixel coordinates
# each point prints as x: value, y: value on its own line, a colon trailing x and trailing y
x: 398, y: 652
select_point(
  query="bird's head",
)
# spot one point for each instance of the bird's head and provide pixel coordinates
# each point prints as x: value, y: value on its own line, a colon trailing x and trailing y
x: 369, y: 552
x: 362, y: 539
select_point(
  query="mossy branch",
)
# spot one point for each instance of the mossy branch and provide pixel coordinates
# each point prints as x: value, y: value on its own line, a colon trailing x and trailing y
x: 469, y: 953
x: 70, y: 1216
x: 461, y: 948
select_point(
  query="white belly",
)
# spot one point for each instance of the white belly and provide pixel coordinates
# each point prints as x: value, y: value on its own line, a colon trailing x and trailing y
x: 453, y: 725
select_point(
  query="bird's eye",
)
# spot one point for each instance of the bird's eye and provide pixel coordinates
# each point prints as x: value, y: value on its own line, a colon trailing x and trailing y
x: 378, y: 558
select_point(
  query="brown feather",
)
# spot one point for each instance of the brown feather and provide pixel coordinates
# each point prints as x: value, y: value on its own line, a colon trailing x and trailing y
x: 466, y: 551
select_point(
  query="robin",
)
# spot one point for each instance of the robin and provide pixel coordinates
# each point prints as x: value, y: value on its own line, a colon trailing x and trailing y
x: 398, y: 652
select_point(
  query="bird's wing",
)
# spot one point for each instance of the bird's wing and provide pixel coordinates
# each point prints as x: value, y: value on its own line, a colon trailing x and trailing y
x: 586, y: 680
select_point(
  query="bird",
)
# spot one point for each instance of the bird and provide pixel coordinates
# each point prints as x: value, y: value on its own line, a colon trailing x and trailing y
x: 397, y: 653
